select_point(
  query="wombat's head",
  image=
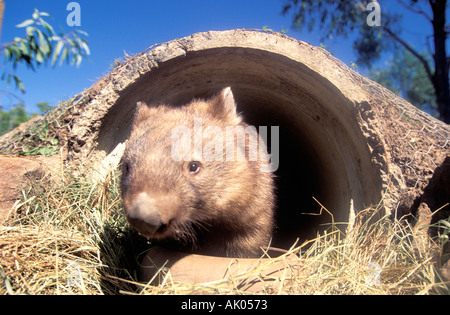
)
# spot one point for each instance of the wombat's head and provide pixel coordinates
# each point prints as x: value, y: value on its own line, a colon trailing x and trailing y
x: 172, y: 190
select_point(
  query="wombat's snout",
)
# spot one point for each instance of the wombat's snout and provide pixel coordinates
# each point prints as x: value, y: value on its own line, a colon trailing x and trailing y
x: 150, y: 216
x: 146, y: 224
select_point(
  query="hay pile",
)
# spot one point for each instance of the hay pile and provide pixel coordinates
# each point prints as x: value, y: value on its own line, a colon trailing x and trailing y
x: 71, y: 237
x: 68, y: 237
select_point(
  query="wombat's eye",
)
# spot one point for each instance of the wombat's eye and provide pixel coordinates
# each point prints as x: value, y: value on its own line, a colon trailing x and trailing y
x: 194, y: 167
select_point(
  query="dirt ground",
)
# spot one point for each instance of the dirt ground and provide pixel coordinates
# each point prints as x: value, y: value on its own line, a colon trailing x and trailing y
x: 15, y: 173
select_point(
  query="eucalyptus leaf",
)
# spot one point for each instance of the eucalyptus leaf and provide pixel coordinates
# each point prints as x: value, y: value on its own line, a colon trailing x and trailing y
x: 58, y: 48
x: 30, y: 30
x: 25, y: 23
x: 64, y: 55
x: 40, y: 44
x: 85, y: 48
x: 19, y: 83
x: 39, y: 57
x: 44, y: 45
x: 79, y: 59
x: 35, y: 14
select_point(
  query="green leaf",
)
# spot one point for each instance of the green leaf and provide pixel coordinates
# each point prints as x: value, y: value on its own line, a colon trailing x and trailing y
x: 40, y: 44
x: 7, y: 53
x: 45, y: 151
x: 82, y: 32
x: 30, y: 30
x: 24, y: 49
x: 54, y: 38
x: 35, y: 14
x: 44, y: 44
x: 58, y: 48
x: 39, y: 57
x: 85, y: 48
x: 64, y: 55
x: 78, y: 59
x: 48, y: 27
x: 25, y: 23
x: 19, y: 83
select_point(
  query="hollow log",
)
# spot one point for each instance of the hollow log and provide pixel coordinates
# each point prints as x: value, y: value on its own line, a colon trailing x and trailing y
x: 344, y: 139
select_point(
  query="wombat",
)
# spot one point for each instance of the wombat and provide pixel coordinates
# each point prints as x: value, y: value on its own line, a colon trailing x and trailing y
x: 195, y: 196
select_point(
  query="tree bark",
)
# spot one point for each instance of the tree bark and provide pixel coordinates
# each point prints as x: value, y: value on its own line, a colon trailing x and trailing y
x: 2, y: 8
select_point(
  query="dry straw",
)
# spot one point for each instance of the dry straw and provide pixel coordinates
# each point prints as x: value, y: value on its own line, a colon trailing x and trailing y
x: 70, y: 237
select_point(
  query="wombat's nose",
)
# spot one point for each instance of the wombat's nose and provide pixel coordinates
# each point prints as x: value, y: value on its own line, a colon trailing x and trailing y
x: 145, y: 214
x: 146, y: 223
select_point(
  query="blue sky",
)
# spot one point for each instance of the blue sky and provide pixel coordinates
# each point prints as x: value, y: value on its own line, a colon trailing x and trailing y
x: 115, y: 27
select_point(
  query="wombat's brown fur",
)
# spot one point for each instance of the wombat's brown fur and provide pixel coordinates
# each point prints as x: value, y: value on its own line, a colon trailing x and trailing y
x: 221, y: 208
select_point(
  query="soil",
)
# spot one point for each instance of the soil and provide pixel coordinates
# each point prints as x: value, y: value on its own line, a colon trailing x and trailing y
x: 16, y: 172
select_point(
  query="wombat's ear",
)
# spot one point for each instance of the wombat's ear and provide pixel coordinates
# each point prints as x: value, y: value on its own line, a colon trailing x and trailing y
x: 142, y: 112
x: 224, y: 105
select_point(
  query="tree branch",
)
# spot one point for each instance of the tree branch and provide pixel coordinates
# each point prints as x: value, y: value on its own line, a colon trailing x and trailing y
x: 448, y: 64
x: 411, y: 50
x: 421, y: 12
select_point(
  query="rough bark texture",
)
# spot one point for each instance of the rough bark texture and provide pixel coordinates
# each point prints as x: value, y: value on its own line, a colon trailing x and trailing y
x: 343, y: 138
